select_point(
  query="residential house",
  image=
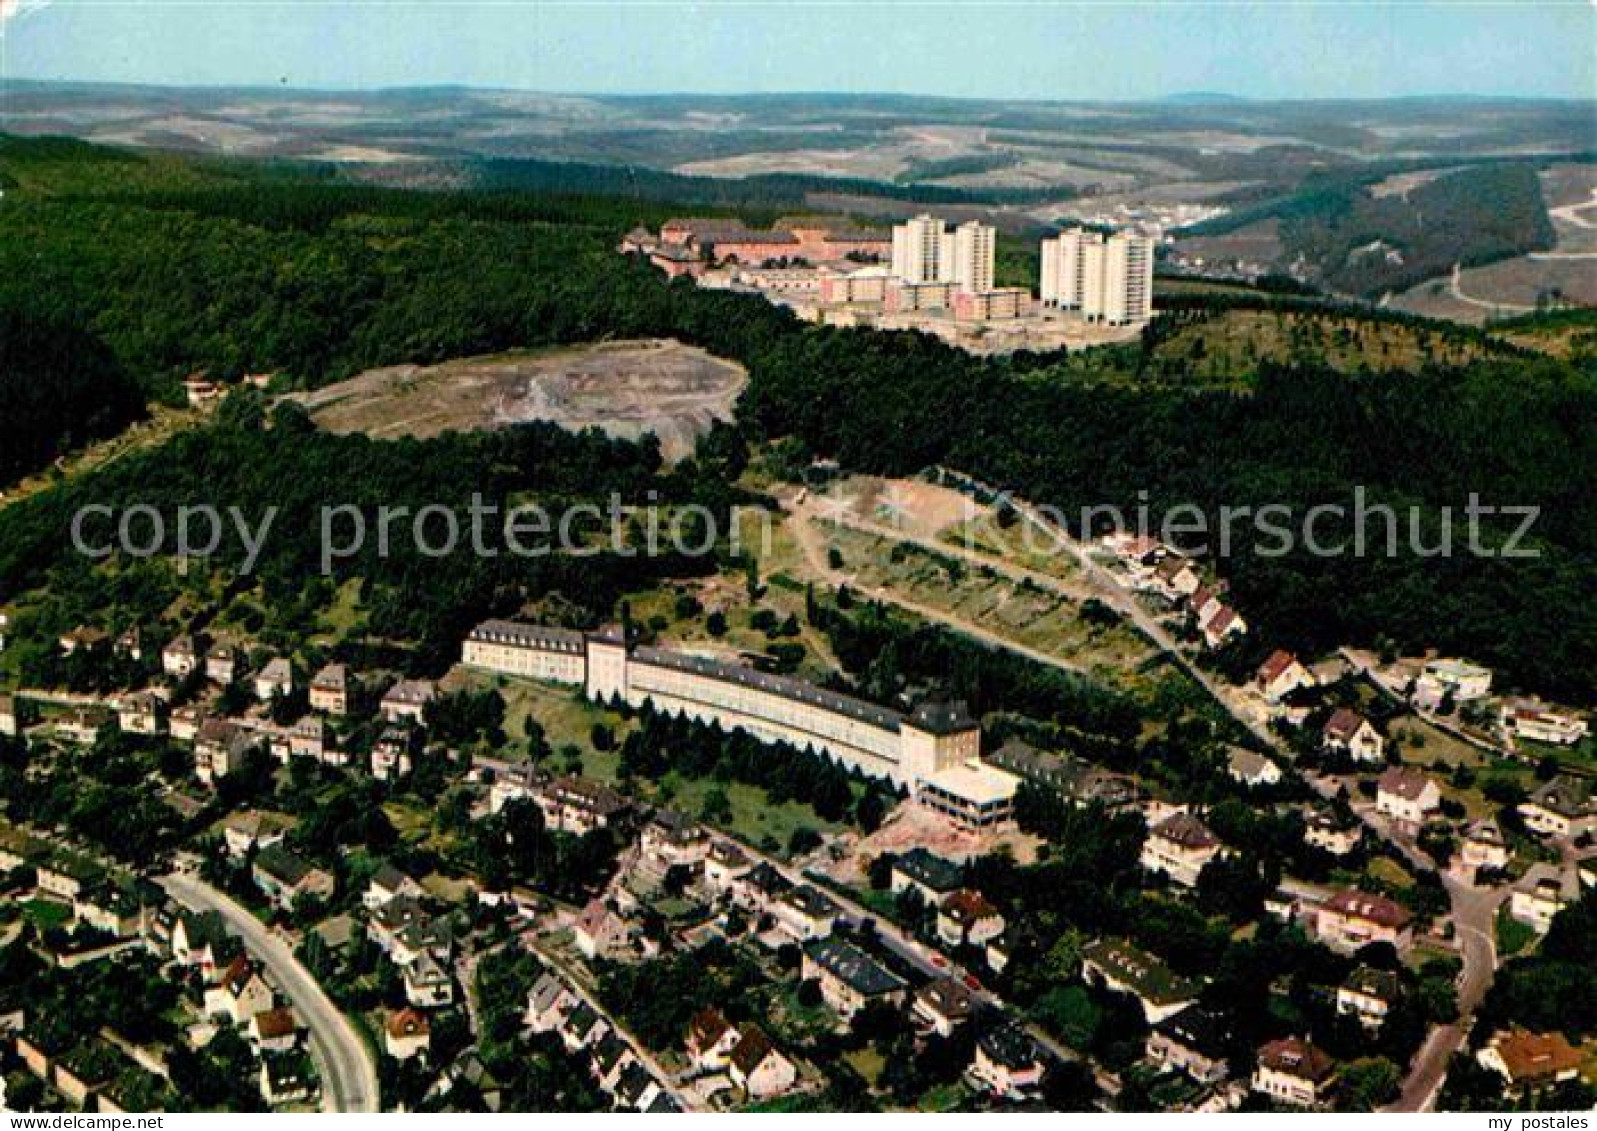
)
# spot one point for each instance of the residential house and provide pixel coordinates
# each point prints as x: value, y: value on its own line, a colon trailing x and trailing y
x: 1529, y: 1061
x: 1120, y: 966
x: 142, y: 713
x: 391, y: 754
x: 805, y: 912
x: 1537, y: 722
x: 309, y: 738
x: 115, y: 908
x: 1220, y: 624
x: 407, y: 1035
x: 760, y: 887
x: 724, y: 866
x: 386, y: 884
x: 583, y: 1028
x: 965, y: 917
x: 1292, y: 1071
x: 756, y: 1066
x: 637, y: 1089
x: 407, y: 700
x: 1368, y: 995
x: 180, y: 657
x: 1566, y: 806
x: 286, y: 878
x: 1180, y: 846
x: 926, y: 873
x: 1451, y: 679
x: 200, y: 939
x: 253, y: 829
x: 1252, y: 770
x: 548, y: 1003
x: 611, y: 1058
x: 944, y: 1004
x: 1280, y: 675
x: 1008, y: 1062
x: 1191, y: 1041
x: 579, y: 806
x: 1351, y: 919
x: 130, y: 645
x: 1541, y: 893
x: 849, y: 978
x: 65, y: 877
x: 273, y: 1030
x: 1078, y: 782
x: 599, y: 932
x: 1350, y: 733
x: 275, y: 680
x: 330, y: 690
x: 241, y: 993
x: 286, y: 1078
x: 1326, y: 831
x: 185, y: 722
x: 1483, y: 848
x: 84, y: 638
x: 1406, y: 795
x: 674, y: 840
x: 428, y: 983
x: 222, y: 664
x: 1174, y: 577
x: 220, y: 748
x: 10, y: 717
x: 711, y: 1039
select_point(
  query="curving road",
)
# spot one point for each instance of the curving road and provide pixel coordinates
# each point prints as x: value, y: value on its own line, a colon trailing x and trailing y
x: 349, y: 1075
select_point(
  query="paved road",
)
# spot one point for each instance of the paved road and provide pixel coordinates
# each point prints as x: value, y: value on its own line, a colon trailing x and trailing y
x: 349, y: 1075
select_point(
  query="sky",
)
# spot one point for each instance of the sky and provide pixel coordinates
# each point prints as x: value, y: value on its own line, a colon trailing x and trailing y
x: 1068, y: 49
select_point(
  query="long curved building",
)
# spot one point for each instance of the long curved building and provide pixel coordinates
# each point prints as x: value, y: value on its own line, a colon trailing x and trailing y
x: 933, y: 752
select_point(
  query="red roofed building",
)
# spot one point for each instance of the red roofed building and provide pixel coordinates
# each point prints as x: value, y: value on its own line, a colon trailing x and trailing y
x: 1351, y: 919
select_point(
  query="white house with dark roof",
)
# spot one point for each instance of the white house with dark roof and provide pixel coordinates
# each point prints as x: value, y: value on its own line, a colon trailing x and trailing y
x: 1407, y: 795
x: 1350, y: 733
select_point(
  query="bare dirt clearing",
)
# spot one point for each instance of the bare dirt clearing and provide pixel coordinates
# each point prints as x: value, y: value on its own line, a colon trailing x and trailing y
x: 625, y: 388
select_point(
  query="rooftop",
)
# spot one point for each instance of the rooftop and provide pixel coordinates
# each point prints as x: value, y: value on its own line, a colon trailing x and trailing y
x: 853, y: 967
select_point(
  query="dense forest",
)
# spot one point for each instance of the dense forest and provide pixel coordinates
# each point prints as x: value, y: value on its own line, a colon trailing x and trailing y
x: 315, y: 281
x: 59, y: 388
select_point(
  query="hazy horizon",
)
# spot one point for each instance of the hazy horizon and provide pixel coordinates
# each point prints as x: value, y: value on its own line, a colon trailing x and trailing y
x: 1067, y: 52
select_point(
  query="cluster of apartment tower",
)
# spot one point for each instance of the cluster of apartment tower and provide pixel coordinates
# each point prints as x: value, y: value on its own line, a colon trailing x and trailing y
x: 934, y: 752
x: 930, y: 266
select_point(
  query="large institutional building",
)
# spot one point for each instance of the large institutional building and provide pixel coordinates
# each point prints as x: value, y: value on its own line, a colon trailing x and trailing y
x: 933, y: 752
x: 1107, y: 278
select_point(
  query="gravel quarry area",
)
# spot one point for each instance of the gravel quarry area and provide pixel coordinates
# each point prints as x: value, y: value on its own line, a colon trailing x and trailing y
x: 626, y: 388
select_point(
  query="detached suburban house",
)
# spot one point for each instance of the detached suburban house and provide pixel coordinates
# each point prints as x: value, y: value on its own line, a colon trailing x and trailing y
x: 966, y: 918
x: 1350, y: 733
x: 1008, y: 1062
x: 286, y: 878
x: 407, y: 700
x: 849, y: 978
x: 1294, y: 1072
x: 1280, y: 675
x: 1179, y: 847
x: 757, y: 1067
x: 1406, y: 795
x: 1192, y: 1041
x: 1530, y: 1061
x: 1563, y: 807
x: 1541, y: 893
x: 1351, y: 919
x: 330, y: 690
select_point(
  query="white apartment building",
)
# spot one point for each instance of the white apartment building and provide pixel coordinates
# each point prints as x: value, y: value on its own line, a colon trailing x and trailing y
x: 1107, y: 278
x: 926, y: 250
